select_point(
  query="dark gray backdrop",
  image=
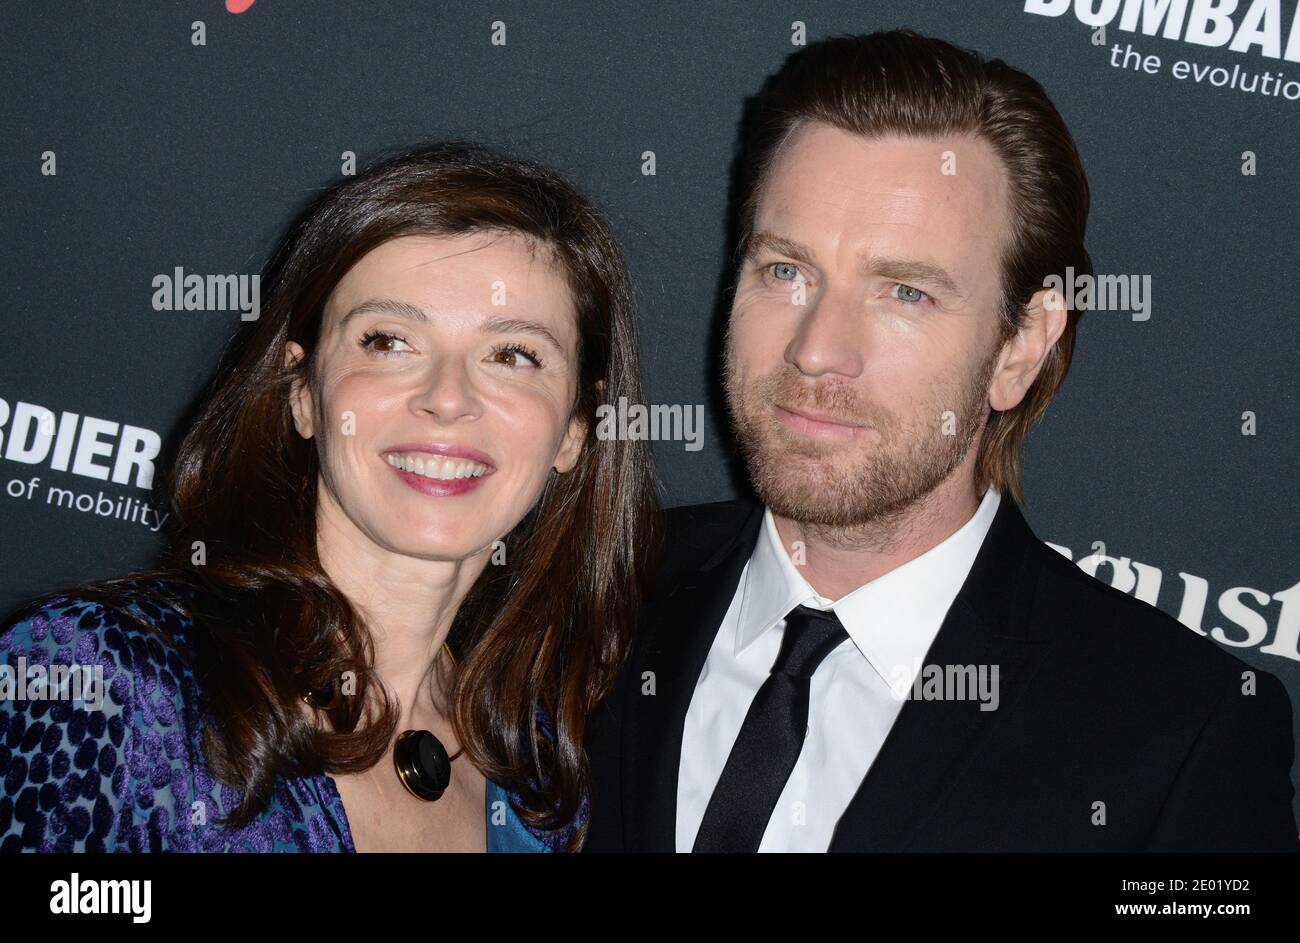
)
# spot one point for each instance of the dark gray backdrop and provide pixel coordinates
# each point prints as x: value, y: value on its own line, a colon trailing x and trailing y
x: 170, y: 154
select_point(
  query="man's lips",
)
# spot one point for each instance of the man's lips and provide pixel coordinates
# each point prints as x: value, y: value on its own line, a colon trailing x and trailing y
x: 815, y: 424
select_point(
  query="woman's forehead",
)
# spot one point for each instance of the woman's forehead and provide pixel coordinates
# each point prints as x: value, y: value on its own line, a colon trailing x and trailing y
x: 484, y: 274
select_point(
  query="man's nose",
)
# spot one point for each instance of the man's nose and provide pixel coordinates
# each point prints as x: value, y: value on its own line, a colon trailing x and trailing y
x: 828, y: 338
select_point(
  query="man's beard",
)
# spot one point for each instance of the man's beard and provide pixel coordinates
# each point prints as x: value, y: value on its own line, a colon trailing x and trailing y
x: 856, y: 483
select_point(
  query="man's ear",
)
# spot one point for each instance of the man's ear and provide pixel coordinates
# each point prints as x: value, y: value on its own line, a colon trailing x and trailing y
x: 1024, y: 353
x: 300, y: 401
x: 571, y: 446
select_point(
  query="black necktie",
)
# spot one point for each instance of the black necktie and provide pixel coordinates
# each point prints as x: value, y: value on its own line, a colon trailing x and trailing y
x: 771, y: 737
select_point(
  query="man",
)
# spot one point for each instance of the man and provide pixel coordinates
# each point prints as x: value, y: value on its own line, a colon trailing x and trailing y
x: 882, y: 656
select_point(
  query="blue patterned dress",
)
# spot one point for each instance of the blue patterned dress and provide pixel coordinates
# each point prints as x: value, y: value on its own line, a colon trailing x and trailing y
x: 124, y: 771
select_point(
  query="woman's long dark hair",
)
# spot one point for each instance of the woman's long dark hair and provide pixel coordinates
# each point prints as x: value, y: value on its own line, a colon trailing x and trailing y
x: 545, y: 633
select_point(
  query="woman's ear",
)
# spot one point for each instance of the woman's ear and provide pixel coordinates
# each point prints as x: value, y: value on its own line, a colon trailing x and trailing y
x: 571, y: 446
x: 574, y: 436
x: 300, y: 401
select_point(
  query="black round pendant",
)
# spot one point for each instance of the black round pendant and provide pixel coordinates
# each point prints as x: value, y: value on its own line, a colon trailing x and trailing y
x: 422, y: 764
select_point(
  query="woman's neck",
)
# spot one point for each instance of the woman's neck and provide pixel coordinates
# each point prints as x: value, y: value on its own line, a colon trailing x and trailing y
x: 408, y: 605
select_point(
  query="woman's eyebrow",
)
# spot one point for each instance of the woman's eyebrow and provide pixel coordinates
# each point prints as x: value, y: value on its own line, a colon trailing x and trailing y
x: 400, y: 309
x: 404, y: 309
x: 522, y: 326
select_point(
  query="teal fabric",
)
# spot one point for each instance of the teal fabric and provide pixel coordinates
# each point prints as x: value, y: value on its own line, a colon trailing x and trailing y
x: 506, y: 832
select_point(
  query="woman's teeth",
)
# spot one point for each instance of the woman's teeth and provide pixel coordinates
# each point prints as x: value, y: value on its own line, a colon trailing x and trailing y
x: 436, y: 466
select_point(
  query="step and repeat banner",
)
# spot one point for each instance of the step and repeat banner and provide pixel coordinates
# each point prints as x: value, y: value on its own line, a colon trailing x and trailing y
x: 154, y: 153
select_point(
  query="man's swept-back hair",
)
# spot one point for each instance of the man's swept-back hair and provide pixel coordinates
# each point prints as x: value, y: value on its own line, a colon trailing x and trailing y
x: 900, y: 83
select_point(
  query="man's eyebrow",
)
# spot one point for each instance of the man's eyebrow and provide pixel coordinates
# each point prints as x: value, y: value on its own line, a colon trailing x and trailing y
x: 777, y: 244
x: 914, y: 272
x: 908, y: 271
x: 410, y: 312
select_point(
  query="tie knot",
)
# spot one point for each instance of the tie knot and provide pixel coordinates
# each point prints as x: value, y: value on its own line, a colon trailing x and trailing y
x: 810, y: 635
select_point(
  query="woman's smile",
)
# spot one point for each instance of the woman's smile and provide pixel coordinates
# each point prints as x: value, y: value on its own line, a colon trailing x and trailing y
x: 439, y: 470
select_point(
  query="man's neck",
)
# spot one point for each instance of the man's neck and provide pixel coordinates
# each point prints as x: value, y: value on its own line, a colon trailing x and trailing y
x: 837, y: 560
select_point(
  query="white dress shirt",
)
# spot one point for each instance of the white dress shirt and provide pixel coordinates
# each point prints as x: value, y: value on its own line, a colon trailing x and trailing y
x: 856, y: 692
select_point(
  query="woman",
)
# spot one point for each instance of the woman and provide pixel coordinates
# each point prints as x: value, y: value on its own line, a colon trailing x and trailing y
x: 393, y: 515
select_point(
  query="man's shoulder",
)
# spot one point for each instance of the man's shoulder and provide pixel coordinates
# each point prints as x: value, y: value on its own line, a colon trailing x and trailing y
x: 694, y: 532
x: 1127, y: 641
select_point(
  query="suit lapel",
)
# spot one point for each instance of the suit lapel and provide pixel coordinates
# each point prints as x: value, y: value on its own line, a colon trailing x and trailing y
x: 931, y: 742
x: 680, y: 624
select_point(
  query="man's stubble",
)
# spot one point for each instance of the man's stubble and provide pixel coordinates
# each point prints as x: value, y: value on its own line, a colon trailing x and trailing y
x: 849, y: 488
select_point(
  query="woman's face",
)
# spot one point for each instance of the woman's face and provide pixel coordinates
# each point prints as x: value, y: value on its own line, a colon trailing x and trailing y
x: 441, y: 394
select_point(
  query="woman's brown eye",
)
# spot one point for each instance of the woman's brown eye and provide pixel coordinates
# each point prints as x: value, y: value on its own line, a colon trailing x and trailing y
x: 511, y: 355
x: 381, y: 343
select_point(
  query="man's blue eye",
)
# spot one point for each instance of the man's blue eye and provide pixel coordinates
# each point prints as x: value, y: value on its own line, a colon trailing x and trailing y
x: 785, y: 271
x: 909, y: 294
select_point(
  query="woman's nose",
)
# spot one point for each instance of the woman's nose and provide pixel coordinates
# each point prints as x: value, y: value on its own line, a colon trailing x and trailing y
x: 447, y: 391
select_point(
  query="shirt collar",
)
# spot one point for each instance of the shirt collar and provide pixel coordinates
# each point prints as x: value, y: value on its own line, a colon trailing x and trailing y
x: 893, y: 619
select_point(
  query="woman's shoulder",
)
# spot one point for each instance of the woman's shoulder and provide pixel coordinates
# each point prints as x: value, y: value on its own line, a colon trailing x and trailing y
x: 133, y: 606
x: 96, y: 694
x: 135, y: 629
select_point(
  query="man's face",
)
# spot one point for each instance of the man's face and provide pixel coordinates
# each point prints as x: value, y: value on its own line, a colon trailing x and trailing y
x: 864, y: 330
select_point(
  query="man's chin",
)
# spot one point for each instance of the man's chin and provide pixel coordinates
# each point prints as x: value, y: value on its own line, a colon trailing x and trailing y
x: 807, y: 506
x: 781, y: 447
x: 800, y: 487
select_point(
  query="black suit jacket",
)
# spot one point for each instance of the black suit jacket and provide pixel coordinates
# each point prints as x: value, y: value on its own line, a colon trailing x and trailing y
x: 1109, y: 711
